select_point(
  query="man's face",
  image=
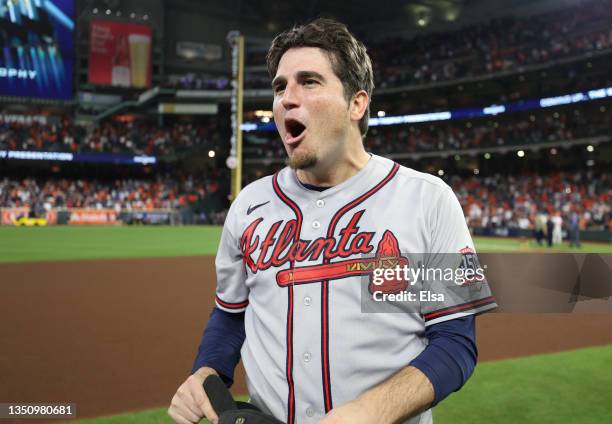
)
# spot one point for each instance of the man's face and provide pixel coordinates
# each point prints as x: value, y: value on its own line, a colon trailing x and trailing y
x: 310, y: 110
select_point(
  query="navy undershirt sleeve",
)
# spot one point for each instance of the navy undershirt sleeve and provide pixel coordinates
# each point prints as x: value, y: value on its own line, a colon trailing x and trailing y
x: 221, y: 343
x: 450, y: 357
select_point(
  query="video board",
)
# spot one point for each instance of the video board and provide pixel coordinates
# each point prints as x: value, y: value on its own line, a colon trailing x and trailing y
x: 37, y: 39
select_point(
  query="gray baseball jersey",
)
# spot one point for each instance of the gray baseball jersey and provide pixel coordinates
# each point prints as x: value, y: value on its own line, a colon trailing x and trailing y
x: 290, y: 257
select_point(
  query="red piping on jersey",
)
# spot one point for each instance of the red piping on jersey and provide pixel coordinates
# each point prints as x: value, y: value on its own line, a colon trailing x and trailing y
x: 228, y: 305
x: 458, y: 308
x: 325, y: 288
x: 289, y: 361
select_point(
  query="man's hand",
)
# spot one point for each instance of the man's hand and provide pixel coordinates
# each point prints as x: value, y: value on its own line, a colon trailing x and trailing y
x: 190, y: 403
x: 354, y: 412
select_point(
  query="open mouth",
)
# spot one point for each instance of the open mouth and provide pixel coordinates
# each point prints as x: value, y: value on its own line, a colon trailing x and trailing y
x: 295, y: 130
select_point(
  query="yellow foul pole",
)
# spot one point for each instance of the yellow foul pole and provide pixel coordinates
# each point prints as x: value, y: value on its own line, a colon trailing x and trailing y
x: 234, y: 161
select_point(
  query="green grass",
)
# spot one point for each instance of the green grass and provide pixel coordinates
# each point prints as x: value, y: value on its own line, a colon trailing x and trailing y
x: 495, y: 244
x: 567, y: 387
x: 22, y: 244
x: 153, y: 416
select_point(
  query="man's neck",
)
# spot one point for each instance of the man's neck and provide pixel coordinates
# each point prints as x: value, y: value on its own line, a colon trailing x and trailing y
x: 337, y: 172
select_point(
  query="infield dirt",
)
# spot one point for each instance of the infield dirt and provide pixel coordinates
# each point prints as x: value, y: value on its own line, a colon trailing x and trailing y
x: 119, y: 335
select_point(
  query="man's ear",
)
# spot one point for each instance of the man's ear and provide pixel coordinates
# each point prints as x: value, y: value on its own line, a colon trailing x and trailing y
x: 359, y: 105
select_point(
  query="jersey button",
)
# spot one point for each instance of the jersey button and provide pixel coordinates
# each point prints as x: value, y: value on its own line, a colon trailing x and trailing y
x: 307, y: 301
x: 307, y: 356
x: 320, y: 203
x: 316, y: 225
x: 309, y: 412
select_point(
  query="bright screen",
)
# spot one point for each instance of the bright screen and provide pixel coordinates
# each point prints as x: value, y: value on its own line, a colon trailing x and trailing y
x: 37, y: 48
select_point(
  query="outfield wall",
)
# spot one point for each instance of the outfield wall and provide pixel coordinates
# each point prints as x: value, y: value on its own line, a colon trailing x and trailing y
x: 585, y: 235
x: 90, y: 216
x: 85, y: 216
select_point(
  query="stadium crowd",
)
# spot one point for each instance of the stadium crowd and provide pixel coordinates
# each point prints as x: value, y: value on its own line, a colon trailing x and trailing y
x: 145, y: 138
x: 568, y: 124
x: 198, y: 200
x: 139, y: 138
x: 522, y: 128
x: 516, y: 201
x: 488, y: 201
x: 501, y: 44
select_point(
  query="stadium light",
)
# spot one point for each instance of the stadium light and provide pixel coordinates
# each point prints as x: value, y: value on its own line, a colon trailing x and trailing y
x: 95, y: 10
x: 211, y: 153
x: 265, y: 119
x: 476, y: 171
x: 520, y: 153
x: 553, y: 151
x: 441, y: 172
x: 145, y: 17
x: 487, y: 155
x: 590, y: 148
x: 108, y: 11
x: 590, y: 162
x: 132, y: 15
x: 452, y: 14
x: 457, y: 157
x: 381, y: 113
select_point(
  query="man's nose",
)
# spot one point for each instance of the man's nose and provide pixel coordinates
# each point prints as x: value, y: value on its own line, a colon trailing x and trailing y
x: 290, y: 97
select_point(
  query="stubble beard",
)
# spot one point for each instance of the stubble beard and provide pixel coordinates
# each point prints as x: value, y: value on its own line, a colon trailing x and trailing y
x: 302, y: 161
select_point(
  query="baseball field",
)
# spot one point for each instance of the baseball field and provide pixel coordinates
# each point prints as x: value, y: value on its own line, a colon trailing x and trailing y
x: 109, y: 319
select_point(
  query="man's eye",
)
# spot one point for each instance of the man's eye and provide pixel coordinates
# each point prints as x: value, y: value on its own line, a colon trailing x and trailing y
x: 278, y: 90
x: 311, y: 82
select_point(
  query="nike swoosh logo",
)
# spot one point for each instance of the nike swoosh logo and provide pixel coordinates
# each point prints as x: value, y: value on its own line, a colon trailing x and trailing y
x: 252, y: 208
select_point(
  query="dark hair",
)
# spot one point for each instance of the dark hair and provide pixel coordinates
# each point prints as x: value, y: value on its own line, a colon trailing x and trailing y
x: 349, y: 59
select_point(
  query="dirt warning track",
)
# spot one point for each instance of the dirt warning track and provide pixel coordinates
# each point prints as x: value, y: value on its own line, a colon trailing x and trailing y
x: 120, y: 335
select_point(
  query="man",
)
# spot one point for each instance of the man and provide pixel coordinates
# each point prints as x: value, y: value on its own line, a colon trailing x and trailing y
x: 557, y: 233
x: 550, y: 225
x: 293, y: 261
x: 540, y: 227
x: 574, y: 229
